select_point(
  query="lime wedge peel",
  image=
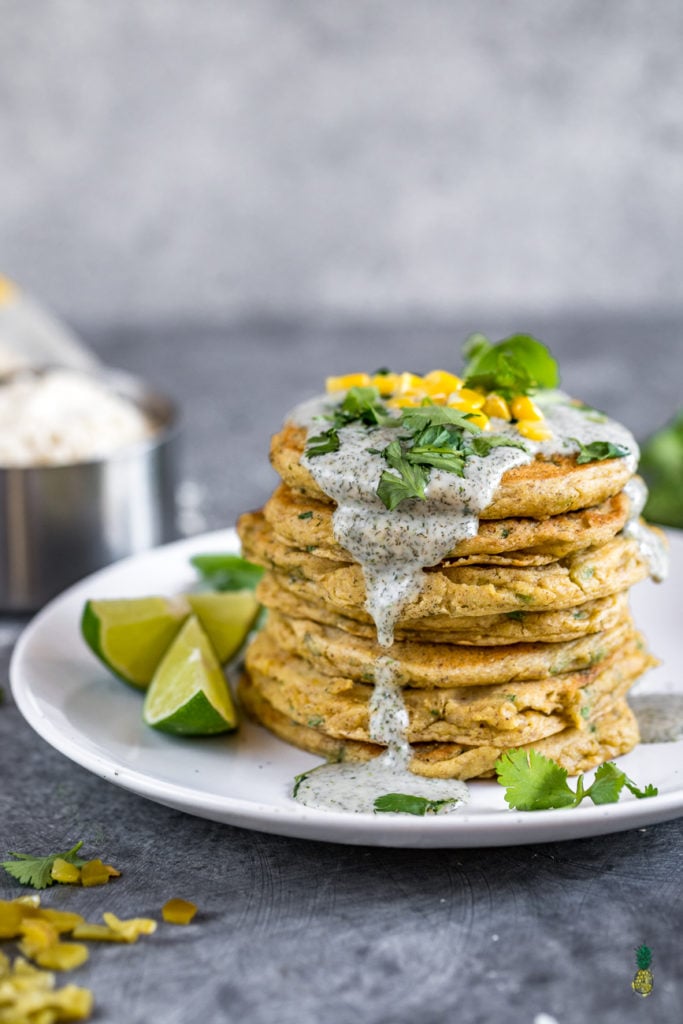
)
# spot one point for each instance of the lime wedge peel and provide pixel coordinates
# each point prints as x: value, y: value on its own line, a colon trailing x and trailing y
x: 188, y: 695
x: 130, y: 636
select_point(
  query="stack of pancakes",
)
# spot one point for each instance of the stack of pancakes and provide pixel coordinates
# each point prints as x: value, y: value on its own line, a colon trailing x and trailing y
x: 521, y: 636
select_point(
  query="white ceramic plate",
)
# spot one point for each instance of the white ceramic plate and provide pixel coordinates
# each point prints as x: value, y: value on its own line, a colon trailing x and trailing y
x: 70, y: 700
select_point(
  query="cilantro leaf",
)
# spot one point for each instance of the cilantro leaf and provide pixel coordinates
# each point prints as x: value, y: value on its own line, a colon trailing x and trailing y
x: 298, y: 779
x: 411, y: 483
x: 662, y: 466
x: 533, y: 782
x: 598, y: 451
x: 431, y: 415
x: 227, y: 572
x: 404, y: 803
x: 323, y: 443
x: 640, y: 794
x: 607, y: 785
x: 515, y: 366
x: 35, y: 871
x: 361, y: 404
x: 305, y: 515
x: 482, y: 445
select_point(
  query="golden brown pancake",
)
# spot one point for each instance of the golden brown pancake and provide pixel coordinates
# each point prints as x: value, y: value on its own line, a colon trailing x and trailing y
x: 577, y: 750
x: 541, y: 489
x: 472, y: 715
x: 339, y: 653
x: 306, y: 524
x: 453, y: 590
x: 284, y: 594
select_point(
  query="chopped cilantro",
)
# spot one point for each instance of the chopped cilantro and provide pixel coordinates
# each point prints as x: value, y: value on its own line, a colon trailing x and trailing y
x: 36, y: 871
x: 515, y: 366
x: 598, y: 451
x: 323, y: 443
x: 534, y: 782
x: 404, y: 803
x: 305, y: 515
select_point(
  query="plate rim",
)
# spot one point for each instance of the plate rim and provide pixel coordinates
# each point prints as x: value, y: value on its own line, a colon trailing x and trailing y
x: 488, y: 828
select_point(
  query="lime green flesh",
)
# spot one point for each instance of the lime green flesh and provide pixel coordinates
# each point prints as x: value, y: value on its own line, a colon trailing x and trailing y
x: 132, y: 635
x: 188, y: 695
x: 226, y: 618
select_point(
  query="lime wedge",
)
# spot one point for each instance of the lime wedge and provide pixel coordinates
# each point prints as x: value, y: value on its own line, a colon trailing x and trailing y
x: 188, y: 695
x: 132, y: 635
x: 226, y: 619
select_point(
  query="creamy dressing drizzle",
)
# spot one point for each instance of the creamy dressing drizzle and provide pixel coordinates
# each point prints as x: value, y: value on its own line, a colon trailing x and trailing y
x: 650, y: 544
x: 393, y: 549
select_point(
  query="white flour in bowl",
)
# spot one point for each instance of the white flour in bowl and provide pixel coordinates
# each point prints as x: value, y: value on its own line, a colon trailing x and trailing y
x: 60, y: 417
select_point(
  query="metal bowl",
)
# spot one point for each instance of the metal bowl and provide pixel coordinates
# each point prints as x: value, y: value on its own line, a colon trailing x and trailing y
x: 59, y: 523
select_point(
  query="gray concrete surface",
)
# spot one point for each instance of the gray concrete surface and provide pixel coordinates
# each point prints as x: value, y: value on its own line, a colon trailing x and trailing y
x: 217, y: 158
x: 298, y: 932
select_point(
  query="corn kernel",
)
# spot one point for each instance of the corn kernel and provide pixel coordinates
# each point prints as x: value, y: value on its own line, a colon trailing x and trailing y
x: 410, y: 382
x: 63, y: 871
x: 524, y: 409
x: 96, y: 933
x: 61, y: 920
x: 480, y: 420
x: 349, y: 380
x: 533, y: 430
x: 438, y: 382
x: 131, y: 929
x: 466, y: 399
x: 37, y: 934
x: 32, y: 900
x: 94, y: 872
x: 10, y: 919
x: 386, y: 383
x: 62, y: 956
x: 177, y: 911
x: 112, y: 871
x: 495, y: 405
x: 404, y: 402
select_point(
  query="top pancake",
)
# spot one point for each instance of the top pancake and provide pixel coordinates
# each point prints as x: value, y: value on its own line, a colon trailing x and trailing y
x: 540, y: 489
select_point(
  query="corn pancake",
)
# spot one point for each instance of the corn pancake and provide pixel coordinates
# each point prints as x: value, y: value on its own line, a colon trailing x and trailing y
x: 509, y: 541
x: 336, y: 652
x: 538, y: 490
x: 577, y: 750
x: 454, y: 590
x: 467, y: 714
x: 284, y: 594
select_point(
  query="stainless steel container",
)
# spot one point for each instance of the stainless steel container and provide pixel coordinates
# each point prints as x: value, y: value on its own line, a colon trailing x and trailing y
x: 59, y: 523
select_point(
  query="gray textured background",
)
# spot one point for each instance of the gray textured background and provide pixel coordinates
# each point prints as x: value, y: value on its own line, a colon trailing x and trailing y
x: 204, y: 158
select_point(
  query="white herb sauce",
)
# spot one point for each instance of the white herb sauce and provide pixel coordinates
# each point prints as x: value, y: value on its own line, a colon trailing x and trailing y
x: 394, y: 547
x: 651, y: 546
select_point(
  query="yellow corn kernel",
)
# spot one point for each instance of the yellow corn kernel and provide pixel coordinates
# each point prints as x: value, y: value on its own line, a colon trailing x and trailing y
x: 404, y: 402
x: 410, y: 382
x: 495, y: 405
x: 466, y: 399
x: 533, y: 430
x: 480, y: 420
x: 386, y: 383
x: 62, y: 956
x: 37, y: 934
x: 32, y: 900
x: 524, y: 409
x: 94, y: 872
x: 177, y: 911
x: 131, y: 929
x: 96, y: 933
x: 441, y: 382
x: 61, y: 920
x: 63, y: 871
x: 112, y: 871
x: 349, y: 380
x: 10, y: 919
